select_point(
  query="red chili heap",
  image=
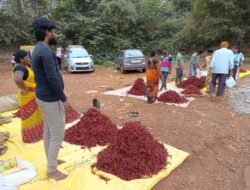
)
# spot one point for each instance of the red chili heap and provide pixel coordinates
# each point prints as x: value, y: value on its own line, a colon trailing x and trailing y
x: 133, y: 154
x: 139, y: 88
x: 72, y: 116
x: 192, y: 90
x: 199, y: 83
x: 172, y: 97
x: 242, y: 70
x: 93, y: 129
x: 203, y: 79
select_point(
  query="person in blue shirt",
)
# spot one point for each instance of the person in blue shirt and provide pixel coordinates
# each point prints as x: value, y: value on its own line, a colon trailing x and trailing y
x: 194, y: 63
x: 166, y: 65
x: 237, y: 61
x: 221, y: 66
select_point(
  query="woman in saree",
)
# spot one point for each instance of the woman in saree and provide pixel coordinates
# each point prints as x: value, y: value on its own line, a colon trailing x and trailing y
x: 153, y: 75
x: 30, y: 114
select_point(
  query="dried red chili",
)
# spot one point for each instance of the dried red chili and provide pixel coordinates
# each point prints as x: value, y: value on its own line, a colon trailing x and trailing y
x: 93, y: 129
x: 242, y: 70
x: 172, y: 97
x: 139, y: 88
x: 199, y: 83
x: 71, y: 116
x: 191, y: 90
x: 133, y: 154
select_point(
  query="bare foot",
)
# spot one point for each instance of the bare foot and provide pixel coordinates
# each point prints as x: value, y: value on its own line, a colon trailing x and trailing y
x: 60, y: 162
x: 57, y: 175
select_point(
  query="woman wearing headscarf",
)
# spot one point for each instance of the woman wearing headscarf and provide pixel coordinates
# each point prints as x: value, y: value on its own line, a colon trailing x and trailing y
x: 153, y: 74
x: 31, y: 115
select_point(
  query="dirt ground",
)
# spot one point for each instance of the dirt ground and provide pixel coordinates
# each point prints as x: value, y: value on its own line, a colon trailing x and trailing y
x: 217, y: 139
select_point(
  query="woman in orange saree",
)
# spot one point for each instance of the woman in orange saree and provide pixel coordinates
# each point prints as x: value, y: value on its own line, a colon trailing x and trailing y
x: 30, y: 114
x: 153, y: 74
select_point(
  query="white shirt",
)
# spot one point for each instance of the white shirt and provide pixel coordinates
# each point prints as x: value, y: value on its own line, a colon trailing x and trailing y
x: 222, y: 61
x: 59, y: 52
x: 242, y: 56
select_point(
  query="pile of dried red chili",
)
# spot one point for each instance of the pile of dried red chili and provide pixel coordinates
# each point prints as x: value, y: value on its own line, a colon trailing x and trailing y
x: 71, y: 116
x: 133, y: 154
x: 93, y: 129
x: 191, y: 90
x: 199, y: 83
x: 242, y: 70
x: 139, y: 88
x: 172, y: 97
x: 203, y: 79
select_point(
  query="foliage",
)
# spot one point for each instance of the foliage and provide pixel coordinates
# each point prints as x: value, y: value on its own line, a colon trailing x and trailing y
x: 106, y: 26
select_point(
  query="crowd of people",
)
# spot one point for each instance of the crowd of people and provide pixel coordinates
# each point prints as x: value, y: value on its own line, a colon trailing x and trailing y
x: 219, y: 65
x: 43, y: 103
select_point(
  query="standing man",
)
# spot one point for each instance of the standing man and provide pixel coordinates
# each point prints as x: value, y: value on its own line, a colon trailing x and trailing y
x: 193, y: 64
x: 221, y: 65
x: 179, y: 66
x: 59, y: 56
x: 49, y: 93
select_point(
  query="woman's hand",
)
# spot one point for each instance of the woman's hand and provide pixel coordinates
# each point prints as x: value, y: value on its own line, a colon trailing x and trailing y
x: 24, y: 91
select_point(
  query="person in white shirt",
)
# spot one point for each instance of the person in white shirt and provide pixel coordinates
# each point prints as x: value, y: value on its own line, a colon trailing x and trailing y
x: 242, y: 58
x: 59, y: 56
x: 221, y: 66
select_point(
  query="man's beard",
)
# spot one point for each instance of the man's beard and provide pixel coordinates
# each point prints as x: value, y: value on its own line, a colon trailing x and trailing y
x: 52, y: 41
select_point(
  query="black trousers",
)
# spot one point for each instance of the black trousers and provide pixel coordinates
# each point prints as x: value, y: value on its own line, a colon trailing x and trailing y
x: 59, y: 62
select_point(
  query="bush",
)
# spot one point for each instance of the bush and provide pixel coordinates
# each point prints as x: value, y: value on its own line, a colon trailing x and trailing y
x: 104, y: 58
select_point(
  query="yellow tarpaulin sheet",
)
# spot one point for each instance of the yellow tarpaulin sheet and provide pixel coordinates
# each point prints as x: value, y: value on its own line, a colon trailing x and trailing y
x: 77, y: 165
x: 244, y: 74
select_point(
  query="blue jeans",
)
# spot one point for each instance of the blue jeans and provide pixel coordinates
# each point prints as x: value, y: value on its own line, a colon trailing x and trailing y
x: 222, y: 83
x: 179, y: 74
x: 192, y: 70
x: 164, y: 82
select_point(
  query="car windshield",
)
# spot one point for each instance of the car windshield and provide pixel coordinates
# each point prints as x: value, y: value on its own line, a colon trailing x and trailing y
x: 78, y: 53
x: 133, y: 53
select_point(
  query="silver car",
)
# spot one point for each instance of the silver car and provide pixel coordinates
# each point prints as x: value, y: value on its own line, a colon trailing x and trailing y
x: 130, y: 59
x: 77, y: 59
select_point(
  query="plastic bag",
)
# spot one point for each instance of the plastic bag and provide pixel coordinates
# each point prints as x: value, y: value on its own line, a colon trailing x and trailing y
x: 5, y: 185
x: 22, y: 176
x: 10, y: 166
x: 230, y: 82
x: 8, y: 103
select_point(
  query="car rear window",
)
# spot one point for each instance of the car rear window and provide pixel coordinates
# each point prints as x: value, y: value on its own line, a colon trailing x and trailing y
x: 78, y: 53
x: 133, y: 53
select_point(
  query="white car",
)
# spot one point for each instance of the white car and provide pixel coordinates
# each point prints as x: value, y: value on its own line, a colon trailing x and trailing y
x: 77, y: 59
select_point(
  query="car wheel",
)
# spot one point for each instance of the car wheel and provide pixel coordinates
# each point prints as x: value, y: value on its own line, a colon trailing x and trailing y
x: 122, y: 69
x: 143, y: 70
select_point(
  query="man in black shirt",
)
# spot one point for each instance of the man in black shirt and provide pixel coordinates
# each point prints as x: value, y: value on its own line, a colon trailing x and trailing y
x: 49, y: 92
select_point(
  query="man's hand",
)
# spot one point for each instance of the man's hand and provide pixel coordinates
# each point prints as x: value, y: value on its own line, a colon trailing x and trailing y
x: 67, y: 106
